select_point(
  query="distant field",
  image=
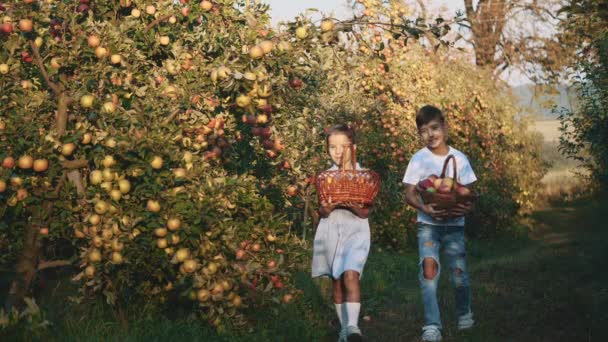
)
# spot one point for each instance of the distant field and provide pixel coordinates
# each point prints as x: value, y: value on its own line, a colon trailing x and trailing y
x: 549, y: 129
x: 562, y: 178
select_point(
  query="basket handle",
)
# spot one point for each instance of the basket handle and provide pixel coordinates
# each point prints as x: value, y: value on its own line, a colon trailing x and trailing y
x: 445, y: 166
x: 353, y: 159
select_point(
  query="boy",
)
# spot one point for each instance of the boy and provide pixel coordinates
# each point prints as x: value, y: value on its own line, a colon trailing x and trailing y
x: 435, y: 228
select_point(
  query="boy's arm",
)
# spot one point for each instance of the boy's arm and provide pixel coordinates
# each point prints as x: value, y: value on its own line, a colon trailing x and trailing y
x: 412, y: 198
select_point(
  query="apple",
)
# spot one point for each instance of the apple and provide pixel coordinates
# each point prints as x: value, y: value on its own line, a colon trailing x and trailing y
x: 25, y: 162
x: 94, y: 219
x: 16, y: 181
x: 174, y: 224
x: 3, y: 186
x: 284, y: 46
x: 86, y: 101
x: 107, y: 186
x: 22, y: 194
x: 86, y: 138
x: 41, y: 165
x: 95, y: 255
x: 237, y: 301
x: 6, y: 28
x: 150, y: 9
x: 327, y: 25
x: 190, y: 265
x: 185, y: 11
x: 296, y: 83
x: 292, y: 190
x: 271, y: 264
x: 206, y: 5
x: 101, y: 207
x: 68, y: 149
x: 172, y: 19
x: 240, y: 254
x: 93, y: 41
x: 157, y: 162
x: 101, y: 52
x: 444, y: 189
x: 55, y: 63
x: 116, y: 195
x: 108, y: 107
x: 203, y: 295
x: 287, y: 298
x: 117, y: 245
x: 261, y: 119
x: 108, y: 161
x: 437, y: 182
x: 182, y: 254
x: 243, y: 101
x: 124, y: 186
x: 463, y: 190
x: 256, y: 52
x: 266, y: 46
x: 162, y: 243
x: 89, y: 271
x: 26, y: 25
x: 425, y: 184
x: 448, y: 181
x: 111, y: 143
x: 179, y: 173
x: 153, y: 206
x: 78, y: 234
x: 117, y: 258
x: 8, y: 162
x: 115, y: 59
x: 271, y: 238
x: 256, y: 247
x: 96, y: 177
x: 164, y: 40
x: 431, y: 190
x: 4, y: 68
x: 135, y: 13
x: 160, y: 232
x: 301, y: 32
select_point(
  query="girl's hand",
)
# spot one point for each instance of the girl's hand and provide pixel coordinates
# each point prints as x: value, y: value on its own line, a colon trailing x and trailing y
x: 353, y: 205
x: 326, y: 209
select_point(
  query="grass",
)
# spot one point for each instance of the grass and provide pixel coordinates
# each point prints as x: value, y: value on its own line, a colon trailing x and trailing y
x: 544, y: 287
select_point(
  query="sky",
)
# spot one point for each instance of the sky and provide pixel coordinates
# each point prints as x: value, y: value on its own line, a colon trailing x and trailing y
x: 341, y: 9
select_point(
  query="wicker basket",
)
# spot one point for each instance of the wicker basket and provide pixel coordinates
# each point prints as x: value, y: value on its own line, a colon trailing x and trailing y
x: 446, y: 200
x: 339, y: 186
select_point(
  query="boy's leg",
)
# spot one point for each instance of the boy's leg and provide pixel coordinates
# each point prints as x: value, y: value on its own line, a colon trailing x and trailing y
x: 454, y: 246
x: 430, y: 269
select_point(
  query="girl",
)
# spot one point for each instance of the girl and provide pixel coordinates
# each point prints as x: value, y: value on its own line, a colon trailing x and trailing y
x: 342, y: 240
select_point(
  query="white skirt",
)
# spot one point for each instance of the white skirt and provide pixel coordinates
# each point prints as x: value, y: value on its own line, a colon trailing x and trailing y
x: 342, y: 243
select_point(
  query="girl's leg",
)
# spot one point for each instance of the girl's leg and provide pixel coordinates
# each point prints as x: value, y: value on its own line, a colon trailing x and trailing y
x: 353, y: 297
x: 339, y: 301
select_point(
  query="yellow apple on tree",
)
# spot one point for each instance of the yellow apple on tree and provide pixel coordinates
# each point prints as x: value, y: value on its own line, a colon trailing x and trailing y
x: 96, y: 177
x: 174, y: 224
x: 93, y: 41
x: 41, y: 165
x: 157, y: 162
x: 153, y: 206
x: 301, y: 32
x: 206, y: 5
x: 25, y: 162
x: 86, y: 101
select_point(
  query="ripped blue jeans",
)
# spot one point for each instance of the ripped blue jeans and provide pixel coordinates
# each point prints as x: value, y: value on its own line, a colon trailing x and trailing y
x: 449, y: 239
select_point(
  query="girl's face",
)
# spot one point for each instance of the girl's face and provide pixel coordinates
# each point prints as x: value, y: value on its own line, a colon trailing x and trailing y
x: 339, y: 146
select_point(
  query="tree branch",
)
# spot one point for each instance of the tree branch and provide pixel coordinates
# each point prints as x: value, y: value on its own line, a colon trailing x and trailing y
x: 156, y: 22
x: 50, y: 264
x: 74, y: 164
x: 54, y: 87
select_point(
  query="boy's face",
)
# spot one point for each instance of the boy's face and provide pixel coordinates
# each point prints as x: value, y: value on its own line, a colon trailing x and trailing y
x: 339, y: 147
x: 434, y: 134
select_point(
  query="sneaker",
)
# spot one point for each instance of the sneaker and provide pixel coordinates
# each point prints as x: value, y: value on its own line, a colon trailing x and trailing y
x: 342, y: 336
x: 431, y: 333
x: 353, y: 334
x: 466, y: 321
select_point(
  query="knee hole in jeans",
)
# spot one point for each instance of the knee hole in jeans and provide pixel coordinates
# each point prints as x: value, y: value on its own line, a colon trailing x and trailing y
x: 429, y: 268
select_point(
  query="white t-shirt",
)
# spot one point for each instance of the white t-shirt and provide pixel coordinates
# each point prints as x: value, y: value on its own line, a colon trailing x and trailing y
x: 424, y: 163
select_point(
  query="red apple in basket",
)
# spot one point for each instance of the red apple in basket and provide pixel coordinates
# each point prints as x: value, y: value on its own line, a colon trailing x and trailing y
x: 426, y: 184
x: 463, y: 190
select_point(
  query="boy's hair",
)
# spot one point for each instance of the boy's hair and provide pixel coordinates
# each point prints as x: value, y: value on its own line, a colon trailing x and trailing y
x: 427, y: 114
x: 340, y: 129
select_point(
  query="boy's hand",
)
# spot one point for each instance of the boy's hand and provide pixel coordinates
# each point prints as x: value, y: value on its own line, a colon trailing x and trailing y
x: 461, y: 209
x: 430, y: 210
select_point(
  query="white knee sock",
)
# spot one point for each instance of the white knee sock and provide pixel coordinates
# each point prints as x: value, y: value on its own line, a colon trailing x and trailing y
x: 339, y: 312
x: 352, y: 310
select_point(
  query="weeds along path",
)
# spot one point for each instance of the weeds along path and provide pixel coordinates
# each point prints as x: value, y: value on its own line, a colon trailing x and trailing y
x: 549, y: 287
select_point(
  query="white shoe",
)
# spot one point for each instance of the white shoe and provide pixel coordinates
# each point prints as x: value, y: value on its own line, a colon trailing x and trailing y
x: 353, y: 334
x: 466, y: 321
x: 431, y: 333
